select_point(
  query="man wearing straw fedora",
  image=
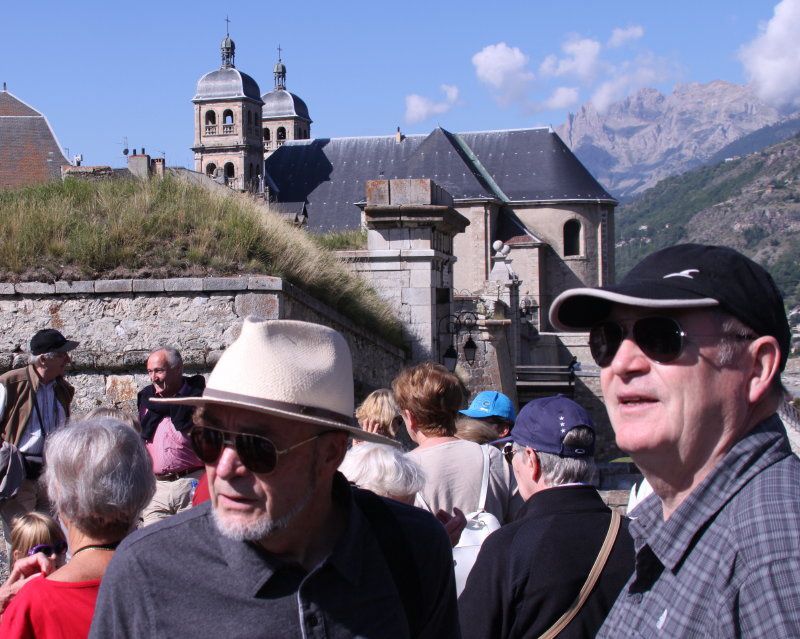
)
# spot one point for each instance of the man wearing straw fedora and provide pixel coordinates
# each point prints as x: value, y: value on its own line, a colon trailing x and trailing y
x: 285, y: 547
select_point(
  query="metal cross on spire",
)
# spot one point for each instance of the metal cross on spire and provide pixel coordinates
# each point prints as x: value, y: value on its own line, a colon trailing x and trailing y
x: 227, y: 26
x: 279, y: 52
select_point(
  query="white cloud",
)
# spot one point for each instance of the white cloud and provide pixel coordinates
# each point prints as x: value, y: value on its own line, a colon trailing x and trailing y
x: 504, y: 69
x: 562, y: 98
x: 629, y: 77
x: 582, y: 59
x: 772, y: 59
x: 621, y: 36
x: 419, y: 108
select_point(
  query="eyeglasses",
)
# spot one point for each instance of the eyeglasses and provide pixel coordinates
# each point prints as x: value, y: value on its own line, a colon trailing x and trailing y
x: 257, y: 454
x: 508, y: 452
x: 49, y: 549
x: 660, y: 338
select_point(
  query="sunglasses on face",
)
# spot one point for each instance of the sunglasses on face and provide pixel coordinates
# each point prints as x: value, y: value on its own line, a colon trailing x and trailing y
x: 49, y: 549
x: 258, y: 454
x: 508, y: 452
x: 661, y: 339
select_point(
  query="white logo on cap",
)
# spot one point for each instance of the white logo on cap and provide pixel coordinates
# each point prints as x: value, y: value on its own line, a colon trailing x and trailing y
x: 687, y: 273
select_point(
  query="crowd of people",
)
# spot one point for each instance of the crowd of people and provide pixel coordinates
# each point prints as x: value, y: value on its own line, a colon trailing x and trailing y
x: 263, y: 503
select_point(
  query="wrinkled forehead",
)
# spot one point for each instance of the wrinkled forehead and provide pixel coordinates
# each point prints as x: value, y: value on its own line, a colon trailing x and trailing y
x: 624, y: 313
x: 241, y: 420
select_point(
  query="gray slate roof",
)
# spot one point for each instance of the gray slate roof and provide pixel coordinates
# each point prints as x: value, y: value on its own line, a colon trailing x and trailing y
x: 525, y: 165
x: 29, y: 151
x: 279, y: 103
x: 227, y: 82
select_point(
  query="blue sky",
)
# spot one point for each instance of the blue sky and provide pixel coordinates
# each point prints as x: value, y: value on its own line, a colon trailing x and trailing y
x: 103, y: 71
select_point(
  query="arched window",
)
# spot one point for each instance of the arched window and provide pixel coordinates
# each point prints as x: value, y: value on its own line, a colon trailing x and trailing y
x: 281, y: 134
x: 211, y: 117
x: 227, y: 117
x: 230, y: 172
x: 211, y: 168
x: 249, y: 118
x: 572, y: 238
x: 266, y: 134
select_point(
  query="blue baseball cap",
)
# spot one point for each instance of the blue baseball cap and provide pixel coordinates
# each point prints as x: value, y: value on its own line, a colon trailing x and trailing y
x: 491, y: 404
x: 543, y: 423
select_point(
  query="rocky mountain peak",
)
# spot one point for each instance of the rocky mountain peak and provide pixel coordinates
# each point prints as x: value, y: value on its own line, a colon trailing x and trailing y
x: 648, y: 136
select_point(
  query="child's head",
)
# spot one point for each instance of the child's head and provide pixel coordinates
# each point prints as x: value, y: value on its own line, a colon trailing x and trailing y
x: 37, y: 531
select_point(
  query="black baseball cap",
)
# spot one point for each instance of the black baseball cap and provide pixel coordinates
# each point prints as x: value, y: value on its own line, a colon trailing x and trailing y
x: 682, y: 277
x: 543, y: 423
x: 49, y: 340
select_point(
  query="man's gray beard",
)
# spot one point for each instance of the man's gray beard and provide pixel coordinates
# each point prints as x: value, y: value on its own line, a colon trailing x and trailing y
x: 263, y: 527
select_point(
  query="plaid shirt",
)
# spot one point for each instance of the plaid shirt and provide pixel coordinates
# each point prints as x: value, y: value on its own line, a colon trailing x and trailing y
x: 727, y: 561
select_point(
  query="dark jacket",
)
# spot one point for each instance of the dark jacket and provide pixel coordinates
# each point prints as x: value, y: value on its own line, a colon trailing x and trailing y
x: 530, y: 571
x: 151, y: 414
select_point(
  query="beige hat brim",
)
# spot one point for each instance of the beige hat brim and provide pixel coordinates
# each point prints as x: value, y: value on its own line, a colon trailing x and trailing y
x: 243, y: 403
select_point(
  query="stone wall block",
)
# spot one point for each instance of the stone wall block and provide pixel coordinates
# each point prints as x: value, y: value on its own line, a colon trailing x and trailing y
x: 109, y: 361
x: 263, y: 305
x: 7, y: 288
x: 81, y: 286
x: 225, y: 284
x: 136, y: 358
x: 34, y: 288
x: 264, y: 283
x: 148, y: 286
x: 113, y: 286
x: 120, y: 389
x: 192, y: 284
x: 418, y: 296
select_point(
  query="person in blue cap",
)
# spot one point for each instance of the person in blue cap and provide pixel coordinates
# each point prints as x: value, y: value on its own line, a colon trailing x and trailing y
x: 530, y: 572
x: 494, y: 409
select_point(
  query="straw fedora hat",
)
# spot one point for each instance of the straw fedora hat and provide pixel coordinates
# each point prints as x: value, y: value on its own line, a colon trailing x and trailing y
x: 291, y: 369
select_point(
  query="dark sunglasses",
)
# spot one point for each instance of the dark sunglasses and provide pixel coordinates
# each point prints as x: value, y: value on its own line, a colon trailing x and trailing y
x: 660, y: 338
x: 49, y: 549
x: 257, y: 454
x: 508, y: 452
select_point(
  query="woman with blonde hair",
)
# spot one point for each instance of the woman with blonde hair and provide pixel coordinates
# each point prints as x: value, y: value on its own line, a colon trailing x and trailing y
x: 378, y: 413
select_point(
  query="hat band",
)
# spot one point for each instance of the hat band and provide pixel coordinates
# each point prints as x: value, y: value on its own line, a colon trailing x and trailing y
x: 286, y: 407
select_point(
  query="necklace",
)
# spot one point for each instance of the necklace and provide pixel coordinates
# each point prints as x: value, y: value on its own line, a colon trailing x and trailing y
x: 111, y: 546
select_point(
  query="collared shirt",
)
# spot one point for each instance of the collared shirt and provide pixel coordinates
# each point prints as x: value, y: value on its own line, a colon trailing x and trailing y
x: 171, y: 451
x: 727, y: 562
x: 53, y: 416
x: 182, y: 578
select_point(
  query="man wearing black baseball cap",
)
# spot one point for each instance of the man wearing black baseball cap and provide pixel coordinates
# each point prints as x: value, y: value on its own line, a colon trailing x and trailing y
x: 34, y: 401
x: 691, y: 345
x: 531, y: 572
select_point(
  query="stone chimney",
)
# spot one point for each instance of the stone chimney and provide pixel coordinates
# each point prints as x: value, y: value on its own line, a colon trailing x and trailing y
x: 399, y: 137
x: 139, y: 164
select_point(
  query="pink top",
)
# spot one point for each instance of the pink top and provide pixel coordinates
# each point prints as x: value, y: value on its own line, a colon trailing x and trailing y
x: 171, y: 451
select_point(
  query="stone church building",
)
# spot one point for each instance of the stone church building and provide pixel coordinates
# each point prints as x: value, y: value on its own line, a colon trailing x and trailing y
x: 523, y: 187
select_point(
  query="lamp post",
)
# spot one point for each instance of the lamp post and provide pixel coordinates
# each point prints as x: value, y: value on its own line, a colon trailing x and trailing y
x: 464, y: 321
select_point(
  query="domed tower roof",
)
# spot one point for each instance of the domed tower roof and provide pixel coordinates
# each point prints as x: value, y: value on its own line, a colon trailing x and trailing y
x: 279, y: 103
x: 227, y: 81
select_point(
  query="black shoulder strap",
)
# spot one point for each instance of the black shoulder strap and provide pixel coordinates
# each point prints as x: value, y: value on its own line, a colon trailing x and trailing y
x: 397, y: 553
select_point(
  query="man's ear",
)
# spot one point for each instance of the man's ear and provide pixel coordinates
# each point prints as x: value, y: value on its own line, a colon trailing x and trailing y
x: 766, y: 363
x: 532, y: 459
x: 333, y: 453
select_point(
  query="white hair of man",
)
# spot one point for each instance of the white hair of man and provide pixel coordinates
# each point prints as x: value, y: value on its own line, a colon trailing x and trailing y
x: 383, y: 469
x: 38, y: 360
x: 557, y: 471
x: 172, y: 355
x: 98, y: 476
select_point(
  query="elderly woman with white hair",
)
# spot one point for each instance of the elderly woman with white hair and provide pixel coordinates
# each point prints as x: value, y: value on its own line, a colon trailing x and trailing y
x: 384, y: 470
x: 99, y: 478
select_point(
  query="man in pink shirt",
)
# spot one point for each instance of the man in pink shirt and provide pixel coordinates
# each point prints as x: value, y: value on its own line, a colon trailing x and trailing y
x: 165, y: 431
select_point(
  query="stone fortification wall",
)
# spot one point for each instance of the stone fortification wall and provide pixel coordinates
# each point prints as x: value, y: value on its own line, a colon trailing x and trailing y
x: 118, y: 323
